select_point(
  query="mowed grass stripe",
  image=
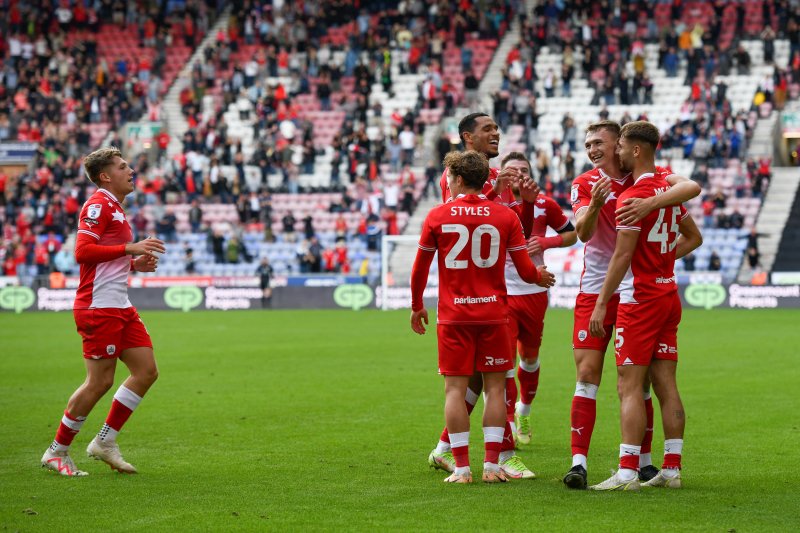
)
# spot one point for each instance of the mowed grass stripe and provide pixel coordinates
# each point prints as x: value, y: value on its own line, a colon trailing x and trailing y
x: 323, y: 420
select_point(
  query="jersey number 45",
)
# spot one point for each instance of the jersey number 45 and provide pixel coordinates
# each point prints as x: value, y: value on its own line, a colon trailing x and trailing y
x: 665, y: 232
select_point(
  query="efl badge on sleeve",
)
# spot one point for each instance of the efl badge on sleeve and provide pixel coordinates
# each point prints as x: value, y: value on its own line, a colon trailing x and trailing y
x: 574, y: 195
x: 94, y: 211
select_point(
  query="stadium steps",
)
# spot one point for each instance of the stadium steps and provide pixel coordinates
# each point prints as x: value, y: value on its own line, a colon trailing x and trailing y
x: 493, y: 77
x: 787, y: 258
x: 175, y: 121
x: 780, y: 215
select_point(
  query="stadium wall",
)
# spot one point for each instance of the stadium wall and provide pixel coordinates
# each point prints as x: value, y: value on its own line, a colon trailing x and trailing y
x: 357, y: 296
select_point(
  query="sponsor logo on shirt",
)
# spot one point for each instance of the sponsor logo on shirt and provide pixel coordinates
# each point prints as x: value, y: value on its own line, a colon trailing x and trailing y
x: 492, y: 361
x: 475, y: 300
x: 90, y: 221
x: 94, y: 211
x: 664, y: 281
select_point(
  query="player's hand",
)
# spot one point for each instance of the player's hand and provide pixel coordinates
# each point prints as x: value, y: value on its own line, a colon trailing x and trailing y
x: 596, y: 328
x: 148, y: 246
x: 534, y: 246
x: 419, y: 319
x: 529, y: 190
x: 600, y: 192
x: 145, y: 263
x: 634, y: 210
x: 548, y: 279
x: 505, y: 178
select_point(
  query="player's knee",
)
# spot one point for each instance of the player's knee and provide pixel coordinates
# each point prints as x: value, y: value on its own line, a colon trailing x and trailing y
x: 589, y: 374
x: 100, y: 385
x: 628, y: 386
x: 150, y: 375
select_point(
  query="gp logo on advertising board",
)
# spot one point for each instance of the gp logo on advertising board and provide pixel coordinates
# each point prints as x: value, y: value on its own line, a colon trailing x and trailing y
x: 16, y: 299
x: 705, y: 295
x: 353, y: 295
x: 183, y: 297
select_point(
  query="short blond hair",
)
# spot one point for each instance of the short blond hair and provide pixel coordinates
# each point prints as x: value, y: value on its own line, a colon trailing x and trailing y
x: 608, y: 125
x: 96, y: 162
x: 472, y: 166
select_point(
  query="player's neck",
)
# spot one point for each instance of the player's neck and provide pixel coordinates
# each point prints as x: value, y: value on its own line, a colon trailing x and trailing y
x: 468, y: 147
x: 613, y: 170
x: 643, y: 168
x: 119, y: 197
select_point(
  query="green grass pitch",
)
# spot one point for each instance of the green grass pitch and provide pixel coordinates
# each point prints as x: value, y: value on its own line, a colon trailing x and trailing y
x: 323, y: 420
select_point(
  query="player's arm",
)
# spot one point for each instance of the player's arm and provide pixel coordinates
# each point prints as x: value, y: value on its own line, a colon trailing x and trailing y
x: 419, y: 279
x: 586, y: 217
x: 87, y: 251
x: 528, y: 191
x: 690, y: 238
x: 529, y: 272
x: 635, y: 209
x: 517, y: 249
x: 445, y: 189
x: 619, y: 265
x: 565, y: 237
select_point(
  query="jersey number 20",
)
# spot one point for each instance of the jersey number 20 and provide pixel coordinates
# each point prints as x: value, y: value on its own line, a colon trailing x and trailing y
x: 661, y: 230
x: 474, y: 240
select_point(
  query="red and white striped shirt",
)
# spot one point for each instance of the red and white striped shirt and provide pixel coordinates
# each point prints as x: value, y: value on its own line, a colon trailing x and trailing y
x: 103, y: 232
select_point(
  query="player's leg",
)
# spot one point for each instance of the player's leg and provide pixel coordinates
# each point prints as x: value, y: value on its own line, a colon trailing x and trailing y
x: 511, y: 393
x: 630, y: 379
x: 583, y: 413
x: 674, y: 419
x: 646, y: 469
x: 442, y: 457
x: 514, y: 324
x: 101, y: 334
x: 457, y: 363
x: 137, y: 355
x: 99, y: 379
x: 528, y: 375
x: 589, y: 353
x: 494, y: 419
x: 663, y: 371
x: 529, y: 341
x: 457, y: 422
x: 266, y: 296
x: 497, y: 340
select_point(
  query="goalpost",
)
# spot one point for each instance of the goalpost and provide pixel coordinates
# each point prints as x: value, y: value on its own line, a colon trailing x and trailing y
x: 397, y: 258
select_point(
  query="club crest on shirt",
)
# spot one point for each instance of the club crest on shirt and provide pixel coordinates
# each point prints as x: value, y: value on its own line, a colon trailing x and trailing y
x: 111, y: 349
x: 94, y: 211
x: 582, y: 335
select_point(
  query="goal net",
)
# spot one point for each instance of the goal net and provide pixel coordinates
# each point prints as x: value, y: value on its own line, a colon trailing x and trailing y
x: 397, y: 258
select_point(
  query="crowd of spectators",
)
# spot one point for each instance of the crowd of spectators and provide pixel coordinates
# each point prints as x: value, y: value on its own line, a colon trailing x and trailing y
x: 247, y: 68
x: 56, y: 88
x: 265, y: 45
x: 606, y: 46
x: 52, y: 88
